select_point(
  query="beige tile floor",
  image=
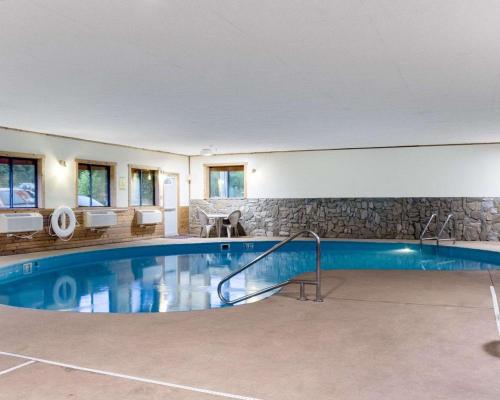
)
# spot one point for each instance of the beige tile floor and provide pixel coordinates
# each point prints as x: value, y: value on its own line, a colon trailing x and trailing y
x: 378, y: 335
x: 37, y: 382
x: 9, y: 362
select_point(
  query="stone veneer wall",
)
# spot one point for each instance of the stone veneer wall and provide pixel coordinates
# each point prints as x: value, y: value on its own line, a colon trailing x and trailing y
x: 360, y: 218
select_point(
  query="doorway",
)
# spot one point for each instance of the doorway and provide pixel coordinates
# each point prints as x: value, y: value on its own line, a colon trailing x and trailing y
x: 171, y: 204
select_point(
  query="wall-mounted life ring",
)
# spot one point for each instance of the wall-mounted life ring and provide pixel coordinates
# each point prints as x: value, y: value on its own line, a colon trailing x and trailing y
x: 63, y: 230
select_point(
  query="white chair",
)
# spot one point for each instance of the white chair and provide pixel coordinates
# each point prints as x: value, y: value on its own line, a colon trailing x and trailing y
x: 205, y: 223
x: 232, y: 223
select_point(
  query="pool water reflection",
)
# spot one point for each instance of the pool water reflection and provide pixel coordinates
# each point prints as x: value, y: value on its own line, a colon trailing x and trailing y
x: 150, y: 279
x: 146, y: 284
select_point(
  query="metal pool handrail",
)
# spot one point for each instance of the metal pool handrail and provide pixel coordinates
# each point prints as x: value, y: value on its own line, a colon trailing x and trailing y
x: 422, y: 236
x: 302, y: 282
x: 438, y: 239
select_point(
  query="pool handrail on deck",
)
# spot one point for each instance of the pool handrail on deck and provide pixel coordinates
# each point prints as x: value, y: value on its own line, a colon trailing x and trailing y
x: 426, y: 228
x: 302, y: 282
x: 438, y: 237
x: 452, y: 239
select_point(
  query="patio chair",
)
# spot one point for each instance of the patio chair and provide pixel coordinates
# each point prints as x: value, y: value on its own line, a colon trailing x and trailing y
x: 205, y: 223
x: 232, y: 223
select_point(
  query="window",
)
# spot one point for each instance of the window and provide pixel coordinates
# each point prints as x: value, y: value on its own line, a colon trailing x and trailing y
x: 93, y: 185
x: 226, y: 181
x: 142, y: 187
x: 18, y: 182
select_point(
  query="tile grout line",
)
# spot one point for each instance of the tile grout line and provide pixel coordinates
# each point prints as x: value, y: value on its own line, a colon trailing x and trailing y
x: 496, y: 310
x: 6, y: 371
x: 123, y: 376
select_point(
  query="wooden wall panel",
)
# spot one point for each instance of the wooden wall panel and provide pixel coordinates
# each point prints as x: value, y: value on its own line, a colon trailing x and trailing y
x: 184, y: 220
x: 126, y: 230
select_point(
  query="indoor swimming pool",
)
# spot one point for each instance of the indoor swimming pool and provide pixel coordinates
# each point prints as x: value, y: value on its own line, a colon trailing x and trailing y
x: 164, y: 278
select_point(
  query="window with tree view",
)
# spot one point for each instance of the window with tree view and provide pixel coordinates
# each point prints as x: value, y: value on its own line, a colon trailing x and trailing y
x: 226, y: 181
x: 93, y: 185
x: 142, y: 183
x: 18, y: 183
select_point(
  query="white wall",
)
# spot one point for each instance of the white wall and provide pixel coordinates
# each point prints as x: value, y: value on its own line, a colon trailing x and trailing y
x: 442, y: 171
x: 60, y: 181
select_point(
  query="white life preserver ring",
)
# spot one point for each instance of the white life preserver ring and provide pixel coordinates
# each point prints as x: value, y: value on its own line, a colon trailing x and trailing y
x: 64, y: 291
x: 55, y: 221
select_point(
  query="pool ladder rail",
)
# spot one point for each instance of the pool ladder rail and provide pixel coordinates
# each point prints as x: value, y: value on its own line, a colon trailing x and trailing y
x: 438, y: 237
x: 302, y: 282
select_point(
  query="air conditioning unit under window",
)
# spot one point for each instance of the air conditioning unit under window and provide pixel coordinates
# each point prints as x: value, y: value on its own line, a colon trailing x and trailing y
x: 21, y: 222
x: 99, y: 219
x: 148, y: 217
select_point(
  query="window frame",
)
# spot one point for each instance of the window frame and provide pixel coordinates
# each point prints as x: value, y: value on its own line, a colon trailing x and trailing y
x: 207, y: 168
x: 108, y: 191
x: 38, y: 163
x: 111, y: 167
x: 156, y: 187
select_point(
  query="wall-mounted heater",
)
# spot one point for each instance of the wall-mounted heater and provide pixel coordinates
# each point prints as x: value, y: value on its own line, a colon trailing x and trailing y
x: 21, y: 222
x: 148, y: 217
x: 99, y: 219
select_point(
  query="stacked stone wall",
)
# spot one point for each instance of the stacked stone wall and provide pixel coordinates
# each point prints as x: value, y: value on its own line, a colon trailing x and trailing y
x: 360, y: 218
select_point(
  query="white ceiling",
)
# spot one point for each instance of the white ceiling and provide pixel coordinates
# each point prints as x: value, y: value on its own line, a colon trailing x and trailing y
x: 258, y: 75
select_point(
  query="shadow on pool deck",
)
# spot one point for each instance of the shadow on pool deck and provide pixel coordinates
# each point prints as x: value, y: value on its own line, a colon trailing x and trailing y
x: 493, y: 348
x: 378, y: 335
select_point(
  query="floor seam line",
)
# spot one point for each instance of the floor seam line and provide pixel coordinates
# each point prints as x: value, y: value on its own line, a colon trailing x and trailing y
x: 16, y: 367
x: 496, y: 310
x: 125, y: 376
x: 406, y: 303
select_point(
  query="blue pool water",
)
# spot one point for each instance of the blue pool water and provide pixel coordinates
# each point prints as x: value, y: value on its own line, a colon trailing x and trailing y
x: 185, y: 277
